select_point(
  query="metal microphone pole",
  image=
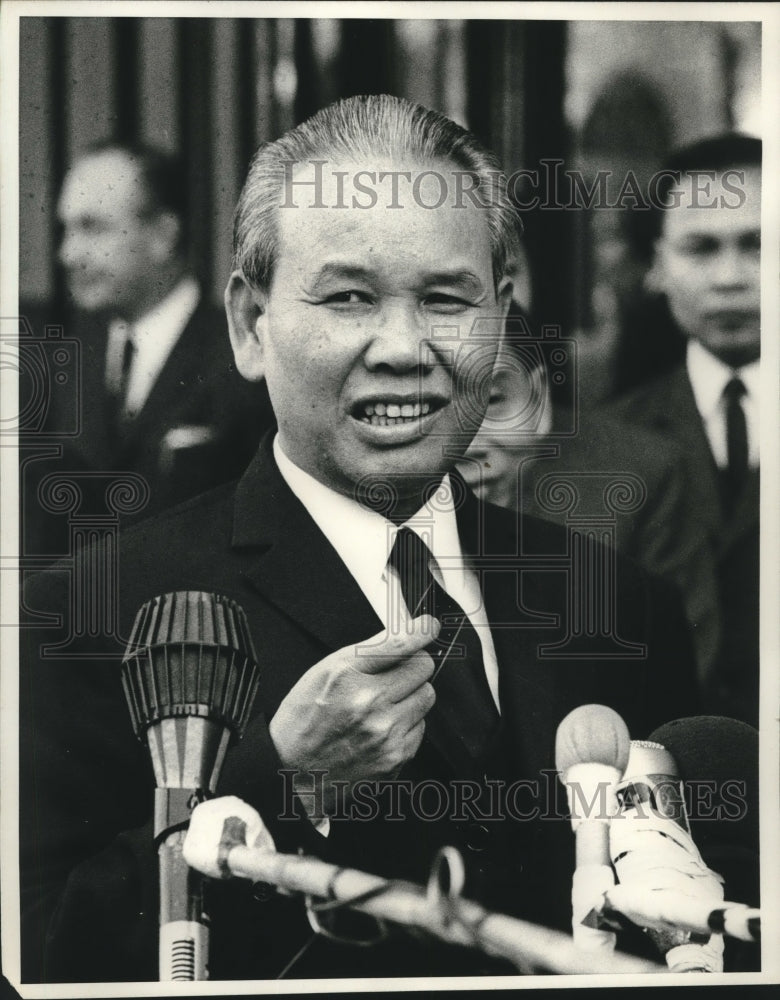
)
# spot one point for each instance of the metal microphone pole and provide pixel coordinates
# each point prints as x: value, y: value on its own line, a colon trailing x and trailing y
x: 228, y: 839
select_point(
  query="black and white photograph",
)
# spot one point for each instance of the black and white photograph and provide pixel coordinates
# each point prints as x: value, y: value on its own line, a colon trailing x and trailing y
x: 389, y: 579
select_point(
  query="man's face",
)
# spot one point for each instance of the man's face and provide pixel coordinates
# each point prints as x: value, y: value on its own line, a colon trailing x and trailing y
x: 708, y: 265
x: 111, y: 250
x: 366, y: 338
x: 517, y: 399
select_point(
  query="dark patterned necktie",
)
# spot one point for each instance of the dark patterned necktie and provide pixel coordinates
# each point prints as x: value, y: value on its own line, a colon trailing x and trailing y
x: 463, y: 698
x: 736, y: 442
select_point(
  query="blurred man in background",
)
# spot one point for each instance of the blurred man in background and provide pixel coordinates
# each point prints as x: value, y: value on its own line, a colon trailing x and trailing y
x: 707, y: 264
x: 159, y: 394
x: 533, y: 451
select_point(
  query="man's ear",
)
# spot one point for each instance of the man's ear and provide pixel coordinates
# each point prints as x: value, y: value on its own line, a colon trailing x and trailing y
x: 246, y: 316
x: 504, y: 295
x: 503, y: 302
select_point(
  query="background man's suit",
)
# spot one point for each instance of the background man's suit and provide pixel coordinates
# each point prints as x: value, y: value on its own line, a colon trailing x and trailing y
x: 258, y: 545
x: 668, y: 407
x: 663, y: 533
x: 198, y: 390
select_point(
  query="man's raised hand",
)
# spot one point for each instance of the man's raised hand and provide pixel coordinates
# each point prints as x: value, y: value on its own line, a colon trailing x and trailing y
x: 359, y: 713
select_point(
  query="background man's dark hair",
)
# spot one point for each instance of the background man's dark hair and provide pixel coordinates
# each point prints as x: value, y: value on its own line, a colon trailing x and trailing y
x: 715, y: 153
x: 163, y: 176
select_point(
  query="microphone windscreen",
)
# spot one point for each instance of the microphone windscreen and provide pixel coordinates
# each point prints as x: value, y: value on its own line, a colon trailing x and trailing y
x: 191, y: 616
x: 592, y: 734
x: 717, y: 759
x: 190, y: 654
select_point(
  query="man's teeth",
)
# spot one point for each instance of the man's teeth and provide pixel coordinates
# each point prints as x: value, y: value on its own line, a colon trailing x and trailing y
x: 389, y: 414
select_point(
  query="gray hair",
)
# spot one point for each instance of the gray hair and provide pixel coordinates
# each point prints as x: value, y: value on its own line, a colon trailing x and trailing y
x: 355, y: 129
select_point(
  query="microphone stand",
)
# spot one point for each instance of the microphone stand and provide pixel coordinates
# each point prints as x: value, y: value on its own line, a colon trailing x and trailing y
x: 190, y: 678
x: 218, y: 843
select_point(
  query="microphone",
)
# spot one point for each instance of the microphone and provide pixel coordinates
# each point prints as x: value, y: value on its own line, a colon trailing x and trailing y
x: 717, y: 759
x: 656, y: 859
x: 190, y: 677
x: 591, y: 753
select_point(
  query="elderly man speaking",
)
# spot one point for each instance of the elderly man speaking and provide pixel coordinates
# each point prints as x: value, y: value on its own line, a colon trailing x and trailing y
x: 412, y: 641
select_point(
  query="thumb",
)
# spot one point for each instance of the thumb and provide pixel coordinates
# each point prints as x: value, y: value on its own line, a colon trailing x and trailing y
x: 383, y: 651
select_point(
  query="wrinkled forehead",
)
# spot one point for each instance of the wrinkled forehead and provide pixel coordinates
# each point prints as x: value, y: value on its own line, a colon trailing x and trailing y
x: 722, y: 201
x: 379, y: 208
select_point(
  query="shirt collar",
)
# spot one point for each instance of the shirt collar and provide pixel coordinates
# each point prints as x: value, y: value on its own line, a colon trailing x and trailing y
x: 362, y: 537
x: 709, y: 375
x: 167, y: 319
x: 751, y: 376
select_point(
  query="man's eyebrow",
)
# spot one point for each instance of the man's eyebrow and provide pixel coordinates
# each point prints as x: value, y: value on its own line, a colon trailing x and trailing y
x: 462, y: 277
x: 335, y: 269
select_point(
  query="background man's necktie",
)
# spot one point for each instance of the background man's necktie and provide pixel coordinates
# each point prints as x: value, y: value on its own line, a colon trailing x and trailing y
x: 117, y: 394
x: 463, y: 698
x: 736, y: 442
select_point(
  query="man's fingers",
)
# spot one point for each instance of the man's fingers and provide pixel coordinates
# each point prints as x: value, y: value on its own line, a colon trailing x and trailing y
x: 408, y: 676
x: 414, y: 708
x: 413, y: 739
x: 383, y: 651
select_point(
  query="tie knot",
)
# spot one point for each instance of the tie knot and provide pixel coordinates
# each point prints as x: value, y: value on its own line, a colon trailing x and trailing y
x: 411, y: 558
x: 409, y: 554
x: 408, y: 545
x: 734, y: 390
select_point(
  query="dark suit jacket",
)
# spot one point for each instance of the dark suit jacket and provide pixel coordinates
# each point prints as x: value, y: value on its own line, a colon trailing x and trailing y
x: 88, y: 867
x: 197, y: 388
x: 668, y: 407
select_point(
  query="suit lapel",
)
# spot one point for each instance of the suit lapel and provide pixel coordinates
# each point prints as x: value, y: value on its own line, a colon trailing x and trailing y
x: 674, y: 413
x: 746, y: 514
x: 189, y: 359
x: 295, y: 567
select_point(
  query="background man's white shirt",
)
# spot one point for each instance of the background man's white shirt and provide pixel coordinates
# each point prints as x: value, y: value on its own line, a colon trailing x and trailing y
x: 154, y: 335
x: 708, y: 376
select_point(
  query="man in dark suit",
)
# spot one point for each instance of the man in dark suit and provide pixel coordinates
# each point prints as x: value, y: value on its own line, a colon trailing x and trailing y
x: 585, y: 470
x: 707, y: 264
x: 371, y: 327
x: 158, y: 393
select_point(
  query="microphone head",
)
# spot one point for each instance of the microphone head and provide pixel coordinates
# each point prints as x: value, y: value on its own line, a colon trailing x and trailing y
x: 717, y: 759
x: 720, y: 756
x: 592, y: 734
x: 190, y: 654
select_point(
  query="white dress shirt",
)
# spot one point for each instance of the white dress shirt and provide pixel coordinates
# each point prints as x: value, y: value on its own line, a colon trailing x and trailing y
x: 364, y: 539
x: 154, y: 336
x: 709, y: 377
